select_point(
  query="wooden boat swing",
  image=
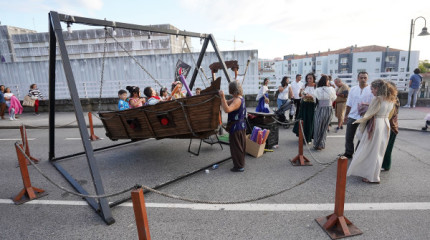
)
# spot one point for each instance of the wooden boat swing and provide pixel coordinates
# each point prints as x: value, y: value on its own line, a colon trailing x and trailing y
x: 192, y: 117
x: 185, y: 118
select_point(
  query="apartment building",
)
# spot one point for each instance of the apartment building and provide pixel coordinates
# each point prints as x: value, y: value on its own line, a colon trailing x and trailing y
x: 379, y: 62
x: 24, y: 45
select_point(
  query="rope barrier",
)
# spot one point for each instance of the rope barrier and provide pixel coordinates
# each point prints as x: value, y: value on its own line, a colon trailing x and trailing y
x: 172, y: 195
x: 68, y: 190
x: 310, y: 152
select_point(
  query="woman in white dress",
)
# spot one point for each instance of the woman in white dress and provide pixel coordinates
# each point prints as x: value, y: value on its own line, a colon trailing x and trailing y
x: 374, y: 133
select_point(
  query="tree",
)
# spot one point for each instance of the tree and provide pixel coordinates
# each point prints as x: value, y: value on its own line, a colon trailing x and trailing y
x: 424, y: 66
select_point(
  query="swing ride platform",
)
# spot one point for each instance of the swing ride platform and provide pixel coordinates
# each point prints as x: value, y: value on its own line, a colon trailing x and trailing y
x: 192, y: 117
x: 186, y: 118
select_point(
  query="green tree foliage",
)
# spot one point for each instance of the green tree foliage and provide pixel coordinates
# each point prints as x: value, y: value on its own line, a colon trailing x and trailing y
x: 424, y: 66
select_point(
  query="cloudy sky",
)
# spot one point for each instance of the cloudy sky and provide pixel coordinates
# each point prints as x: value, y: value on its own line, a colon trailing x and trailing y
x: 274, y: 27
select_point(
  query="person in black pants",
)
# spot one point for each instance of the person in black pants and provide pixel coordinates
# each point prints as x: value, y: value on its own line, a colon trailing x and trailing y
x: 296, y: 87
x: 359, y: 98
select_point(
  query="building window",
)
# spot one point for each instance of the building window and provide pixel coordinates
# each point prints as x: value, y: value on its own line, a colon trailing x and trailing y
x: 331, y: 61
x: 362, y: 59
x: 344, y: 70
x: 378, y: 59
x: 403, y: 59
x: 361, y: 70
x: 305, y: 63
x: 331, y: 71
x: 402, y: 69
x: 390, y: 59
x: 389, y: 69
x: 335, y: 61
x: 335, y: 71
x: 377, y: 70
x: 344, y: 61
x: 318, y: 62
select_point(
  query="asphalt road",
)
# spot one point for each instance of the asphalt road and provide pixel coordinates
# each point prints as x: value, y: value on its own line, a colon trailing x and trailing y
x: 398, y: 208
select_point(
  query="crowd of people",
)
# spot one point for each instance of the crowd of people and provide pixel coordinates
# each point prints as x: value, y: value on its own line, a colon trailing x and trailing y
x: 133, y: 98
x: 369, y: 112
x: 9, y: 101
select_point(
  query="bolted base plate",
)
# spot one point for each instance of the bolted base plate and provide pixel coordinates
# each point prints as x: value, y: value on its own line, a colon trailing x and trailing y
x: 336, y: 231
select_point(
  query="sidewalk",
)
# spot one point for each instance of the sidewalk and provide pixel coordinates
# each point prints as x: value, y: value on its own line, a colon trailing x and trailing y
x: 62, y: 120
x: 411, y: 119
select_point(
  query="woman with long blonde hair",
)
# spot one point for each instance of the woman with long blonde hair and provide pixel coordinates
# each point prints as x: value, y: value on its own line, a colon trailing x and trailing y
x: 373, y: 133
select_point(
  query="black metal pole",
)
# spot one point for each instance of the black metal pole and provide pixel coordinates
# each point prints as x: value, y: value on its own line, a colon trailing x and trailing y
x: 95, y: 174
x: 52, y: 59
x: 98, y: 22
x: 410, y: 41
x: 199, y: 63
x: 221, y: 60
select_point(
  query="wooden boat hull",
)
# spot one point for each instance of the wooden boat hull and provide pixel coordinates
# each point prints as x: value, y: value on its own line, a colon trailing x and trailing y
x: 192, y: 117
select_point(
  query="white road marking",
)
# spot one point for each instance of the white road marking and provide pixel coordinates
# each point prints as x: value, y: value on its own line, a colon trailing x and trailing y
x: 255, y: 207
x: 336, y: 136
x: 15, y: 139
x: 78, y: 138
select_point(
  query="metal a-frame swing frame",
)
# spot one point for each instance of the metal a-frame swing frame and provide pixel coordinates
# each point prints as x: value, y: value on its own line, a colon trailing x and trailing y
x: 101, y: 206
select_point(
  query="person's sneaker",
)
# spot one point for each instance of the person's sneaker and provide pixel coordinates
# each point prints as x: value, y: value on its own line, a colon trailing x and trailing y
x: 11, y: 118
x: 234, y: 169
x: 346, y: 155
x: 37, y: 114
x: 407, y: 106
x: 424, y: 128
x: 341, y: 127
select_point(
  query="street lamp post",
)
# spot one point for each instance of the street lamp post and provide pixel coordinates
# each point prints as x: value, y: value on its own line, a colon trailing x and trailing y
x: 424, y: 32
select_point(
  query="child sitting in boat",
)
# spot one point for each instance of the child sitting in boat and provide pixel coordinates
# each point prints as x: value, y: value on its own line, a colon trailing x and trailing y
x: 123, y: 103
x: 163, y: 94
x: 151, y: 94
x: 198, y: 91
x: 135, y: 99
x: 178, y: 94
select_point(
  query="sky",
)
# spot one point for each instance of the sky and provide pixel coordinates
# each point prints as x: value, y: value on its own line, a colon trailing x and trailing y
x: 274, y: 27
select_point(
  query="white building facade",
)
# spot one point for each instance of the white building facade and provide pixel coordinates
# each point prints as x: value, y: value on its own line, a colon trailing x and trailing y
x: 379, y: 62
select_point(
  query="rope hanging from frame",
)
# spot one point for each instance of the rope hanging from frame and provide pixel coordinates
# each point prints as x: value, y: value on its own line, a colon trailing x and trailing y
x: 102, y: 72
x: 135, y: 60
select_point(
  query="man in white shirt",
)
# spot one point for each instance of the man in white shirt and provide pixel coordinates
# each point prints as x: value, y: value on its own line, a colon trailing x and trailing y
x: 358, y: 98
x: 296, y: 86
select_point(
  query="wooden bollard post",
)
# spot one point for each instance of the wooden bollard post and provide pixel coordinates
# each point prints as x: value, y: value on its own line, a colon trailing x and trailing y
x: 29, y: 192
x: 300, y: 159
x: 93, y: 136
x: 25, y: 144
x: 336, y: 225
x: 140, y: 214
